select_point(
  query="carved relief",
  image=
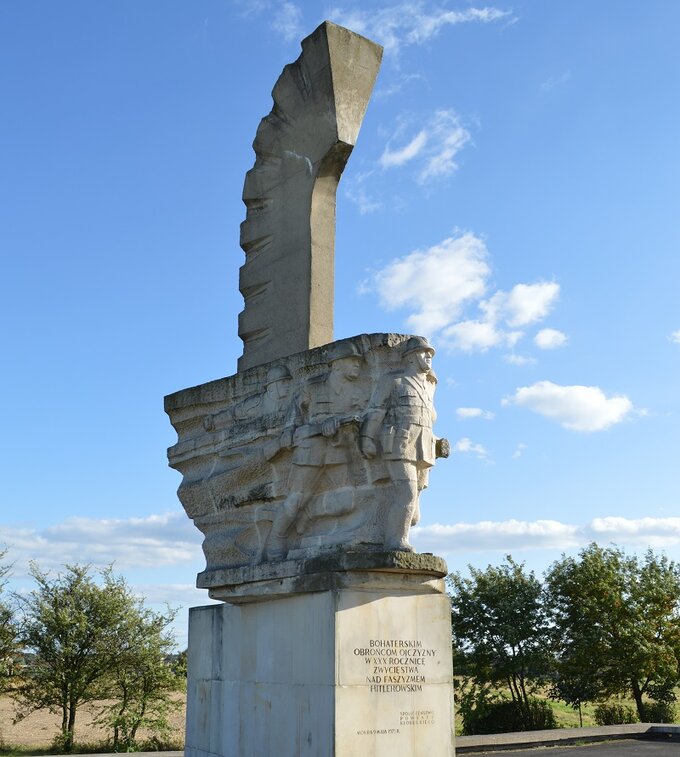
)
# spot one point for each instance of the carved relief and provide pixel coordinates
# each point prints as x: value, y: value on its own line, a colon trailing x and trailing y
x: 333, y: 451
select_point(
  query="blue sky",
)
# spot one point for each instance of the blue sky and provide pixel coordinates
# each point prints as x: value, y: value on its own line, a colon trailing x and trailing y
x: 513, y: 195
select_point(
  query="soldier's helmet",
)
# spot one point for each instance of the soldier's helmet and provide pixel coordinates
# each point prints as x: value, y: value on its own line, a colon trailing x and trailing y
x: 416, y: 344
x: 342, y: 350
x: 277, y: 373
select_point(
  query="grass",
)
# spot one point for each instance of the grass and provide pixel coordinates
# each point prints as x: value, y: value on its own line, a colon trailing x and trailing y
x: 566, y: 716
x: 97, y: 747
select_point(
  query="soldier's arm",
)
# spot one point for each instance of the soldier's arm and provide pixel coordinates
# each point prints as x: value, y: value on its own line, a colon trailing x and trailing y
x: 373, y: 418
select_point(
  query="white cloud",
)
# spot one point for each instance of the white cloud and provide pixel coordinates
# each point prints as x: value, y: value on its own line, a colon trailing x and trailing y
x: 391, y: 158
x: 504, y: 313
x: 578, y: 408
x: 655, y: 532
x: 675, y: 337
x: 149, y: 542
x: 519, y: 451
x: 555, y: 81
x: 448, y: 138
x: 440, y: 283
x: 397, y: 85
x: 523, y: 304
x: 466, y: 446
x: 506, y: 535
x: 433, y: 147
x: 546, y: 534
x: 436, y: 282
x: 287, y: 21
x: 355, y: 190
x: 513, y: 359
x: 473, y: 336
x: 550, y: 339
x: 474, y: 412
x: 409, y: 23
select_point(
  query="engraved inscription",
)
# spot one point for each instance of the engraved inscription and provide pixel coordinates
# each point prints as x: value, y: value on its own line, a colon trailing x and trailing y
x: 416, y: 717
x: 396, y: 665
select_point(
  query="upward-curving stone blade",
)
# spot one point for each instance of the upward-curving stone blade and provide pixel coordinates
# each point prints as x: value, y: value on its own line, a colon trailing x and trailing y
x: 288, y: 236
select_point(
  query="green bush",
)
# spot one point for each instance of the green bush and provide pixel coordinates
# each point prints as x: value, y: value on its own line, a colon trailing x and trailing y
x: 482, y: 712
x: 660, y: 712
x: 614, y: 713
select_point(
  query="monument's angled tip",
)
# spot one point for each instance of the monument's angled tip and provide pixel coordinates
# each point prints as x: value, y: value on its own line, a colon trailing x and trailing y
x: 331, y: 28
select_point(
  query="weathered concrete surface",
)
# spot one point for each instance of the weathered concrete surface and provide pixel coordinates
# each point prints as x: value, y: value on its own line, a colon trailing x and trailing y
x: 288, y: 236
x: 360, y: 670
x: 327, y: 449
x: 334, y: 570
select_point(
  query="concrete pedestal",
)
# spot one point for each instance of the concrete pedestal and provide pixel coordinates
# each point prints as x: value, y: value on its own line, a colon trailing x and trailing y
x: 361, y: 668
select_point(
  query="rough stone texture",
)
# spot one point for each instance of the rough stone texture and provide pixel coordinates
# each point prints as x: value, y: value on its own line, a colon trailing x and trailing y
x: 332, y: 570
x: 322, y: 450
x: 363, y: 669
x: 288, y: 236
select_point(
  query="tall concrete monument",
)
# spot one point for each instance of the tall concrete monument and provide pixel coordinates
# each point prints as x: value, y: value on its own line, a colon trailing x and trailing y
x: 304, y: 471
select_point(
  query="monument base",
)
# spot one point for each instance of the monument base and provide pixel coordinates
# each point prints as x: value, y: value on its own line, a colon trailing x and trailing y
x: 362, y: 668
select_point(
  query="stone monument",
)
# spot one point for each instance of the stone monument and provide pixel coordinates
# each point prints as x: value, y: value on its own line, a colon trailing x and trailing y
x: 304, y: 470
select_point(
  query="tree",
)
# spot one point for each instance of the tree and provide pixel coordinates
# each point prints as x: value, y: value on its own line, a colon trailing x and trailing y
x: 616, y: 626
x: 142, y: 680
x: 500, y: 630
x: 77, y: 631
x: 9, y: 646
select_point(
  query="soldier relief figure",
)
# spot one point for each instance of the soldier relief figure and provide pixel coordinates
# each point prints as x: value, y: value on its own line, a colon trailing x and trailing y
x: 335, y: 421
x: 330, y: 452
x: 398, y: 425
x: 322, y: 430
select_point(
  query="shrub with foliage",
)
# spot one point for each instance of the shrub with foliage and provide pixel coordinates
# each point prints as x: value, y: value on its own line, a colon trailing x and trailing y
x: 660, y: 712
x: 9, y: 632
x: 93, y: 640
x: 482, y: 711
x: 614, y: 713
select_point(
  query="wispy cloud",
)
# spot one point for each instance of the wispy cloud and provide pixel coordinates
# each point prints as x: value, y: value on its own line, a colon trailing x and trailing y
x: 410, y: 23
x: 577, y: 408
x: 150, y: 542
x: 248, y: 8
x: 466, y: 446
x: 287, y: 21
x: 555, y: 81
x: 398, y: 157
x: 432, y: 148
x: 550, y: 339
x: 356, y: 190
x: 474, y: 412
x: 514, y: 359
x: 675, y: 337
x: 396, y: 86
x: 427, y: 150
x: 546, y: 534
x: 519, y: 451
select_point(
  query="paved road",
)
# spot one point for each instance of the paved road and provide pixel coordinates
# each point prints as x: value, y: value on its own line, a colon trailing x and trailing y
x: 627, y: 748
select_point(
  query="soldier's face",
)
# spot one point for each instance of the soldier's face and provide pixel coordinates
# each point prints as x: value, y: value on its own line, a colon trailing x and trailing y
x: 349, y: 367
x: 423, y: 359
x: 278, y: 390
